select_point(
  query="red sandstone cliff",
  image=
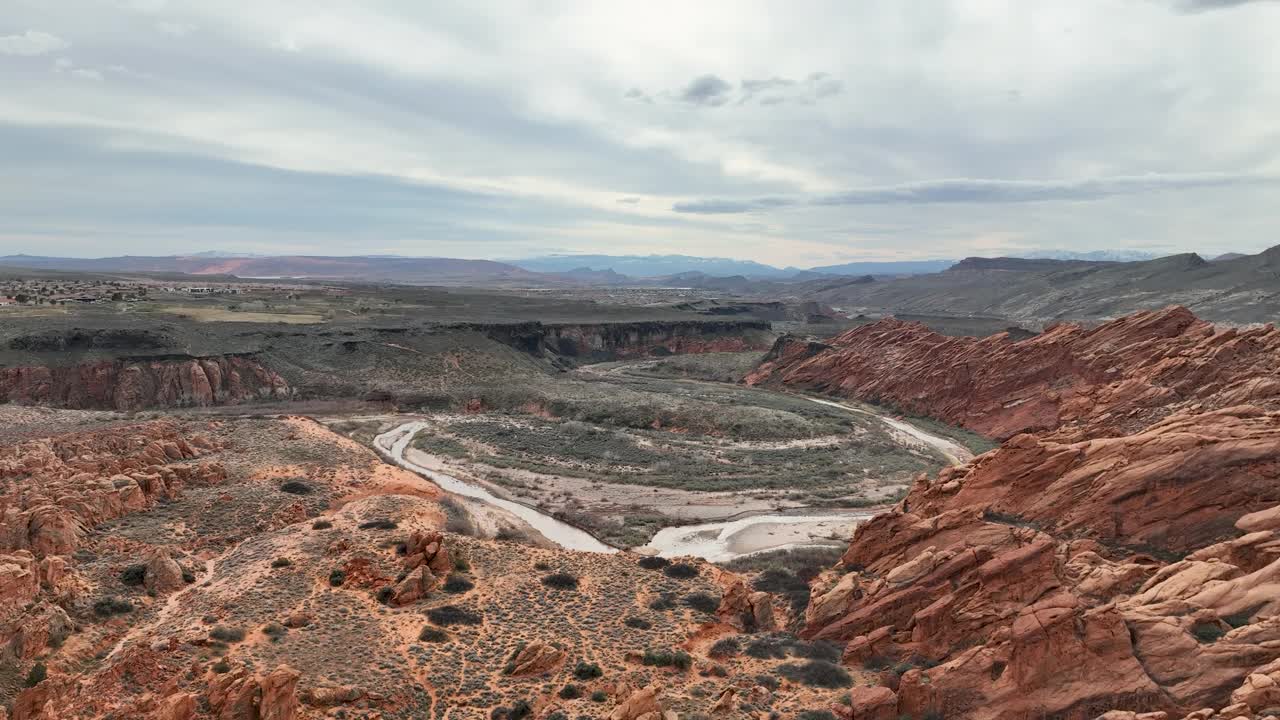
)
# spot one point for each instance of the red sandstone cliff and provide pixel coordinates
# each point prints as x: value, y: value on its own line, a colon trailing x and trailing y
x: 1119, y: 375
x: 1126, y: 557
x: 137, y: 384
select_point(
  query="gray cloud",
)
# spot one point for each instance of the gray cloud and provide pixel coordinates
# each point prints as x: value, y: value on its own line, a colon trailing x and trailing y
x: 985, y: 191
x: 707, y: 90
x: 30, y: 43
x: 714, y: 91
x: 1194, y: 6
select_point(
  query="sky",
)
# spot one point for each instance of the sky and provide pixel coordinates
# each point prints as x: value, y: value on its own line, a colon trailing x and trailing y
x: 791, y: 132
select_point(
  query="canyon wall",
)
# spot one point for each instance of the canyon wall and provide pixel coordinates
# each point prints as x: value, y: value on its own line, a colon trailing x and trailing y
x: 1124, y: 556
x: 620, y: 341
x: 1120, y: 375
x: 136, y: 383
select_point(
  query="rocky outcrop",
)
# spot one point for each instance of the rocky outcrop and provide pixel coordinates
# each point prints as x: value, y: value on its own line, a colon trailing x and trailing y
x: 241, y: 695
x: 162, y: 575
x: 618, y: 341
x: 426, y: 563
x: 56, y: 488
x: 136, y: 383
x: 1119, y: 376
x: 746, y: 610
x: 1124, y: 557
x: 535, y: 659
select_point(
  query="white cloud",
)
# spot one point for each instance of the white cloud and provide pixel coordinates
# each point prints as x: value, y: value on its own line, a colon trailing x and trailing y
x: 30, y: 43
x: 837, y: 125
x: 176, y: 29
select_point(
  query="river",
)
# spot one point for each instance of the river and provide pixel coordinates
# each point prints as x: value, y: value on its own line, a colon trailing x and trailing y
x: 716, y: 541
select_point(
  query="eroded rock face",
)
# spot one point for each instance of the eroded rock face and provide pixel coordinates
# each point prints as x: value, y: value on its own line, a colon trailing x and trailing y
x: 1123, y: 556
x: 426, y: 562
x: 1120, y: 375
x: 137, y: 384
x: 60, y: 487
x: 536, y: 659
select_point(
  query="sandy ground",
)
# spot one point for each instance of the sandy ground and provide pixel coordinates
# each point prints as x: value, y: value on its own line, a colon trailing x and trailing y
x: 723, y: 541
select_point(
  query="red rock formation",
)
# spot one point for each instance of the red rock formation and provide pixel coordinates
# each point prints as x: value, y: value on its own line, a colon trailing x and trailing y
x: 136, y: 384
x: 85, y: 479
x: 1126, y: 557
x: 1120, y: 375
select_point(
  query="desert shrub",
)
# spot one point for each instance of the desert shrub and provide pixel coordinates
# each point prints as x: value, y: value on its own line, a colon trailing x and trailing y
x: 767, y: 681
x: 638, y: 623
x: 668, y: 658
x: 587, y: 671
x: 817, y: 673
x: 1207, y: 632
x: 665, y: 601
x: 133, y: 575
x: 221, y: 667
x: 456, y: 518
x: 680, y: 571
x: 433, y: 635
x: 36, y: 675
x: 702, y: 602
x: 599, y: 696
x: 815, y: 715
x: 337, y: 577
x: 321, y: 525
x: 226, y: 634
x: 385, y: 594
x: 378, y: 524
x: 453, y: 615
x: 275, y: 631
x: 458, y: 584
x: 112, y: 605
x: 296, y: 487
x: 188, y: 577
x: 541, y: 566
x: 570, y: 692
x: 725, y: 647
x: 281, y: 562
x: 653, y: 562
x: 560, y: 581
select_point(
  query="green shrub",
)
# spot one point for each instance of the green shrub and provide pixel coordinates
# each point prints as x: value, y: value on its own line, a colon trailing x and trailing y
x: 433, y: 635
x: 453, y: 615
x: 296, y: 487
x: 226, y: 634
x: 702, y: 602
x: 457, y: 584
x: 599, y: 696
x: 560, y: 581
x: 112, y: 605
x: 321, y: 525
x: 725, y: 647
x: 221, y: 667
x: 638, y: 623
x: 817, y: 673
x: 1207, y: 632
x: 570, y: 692
x: 36, y: 675
x: 587, y: 671
x: 281, y: 562
x: 378, y: 524
x: 680, y: 571
x: 275, y: 631
x: 653, y: 562
x: 668, y: 658
x: 133, y: 575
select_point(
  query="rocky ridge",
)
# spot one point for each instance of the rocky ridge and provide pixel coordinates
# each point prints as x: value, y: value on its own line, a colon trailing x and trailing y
x: 1119, y: 552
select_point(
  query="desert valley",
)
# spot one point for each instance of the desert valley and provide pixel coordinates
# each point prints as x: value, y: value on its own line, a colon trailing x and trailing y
x: 342, y: 499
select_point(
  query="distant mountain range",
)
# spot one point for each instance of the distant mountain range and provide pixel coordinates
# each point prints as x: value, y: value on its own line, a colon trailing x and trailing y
x: 1234, y: 288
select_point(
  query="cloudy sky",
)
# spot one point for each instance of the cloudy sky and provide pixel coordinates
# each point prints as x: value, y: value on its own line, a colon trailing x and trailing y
x: 790, y: 132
